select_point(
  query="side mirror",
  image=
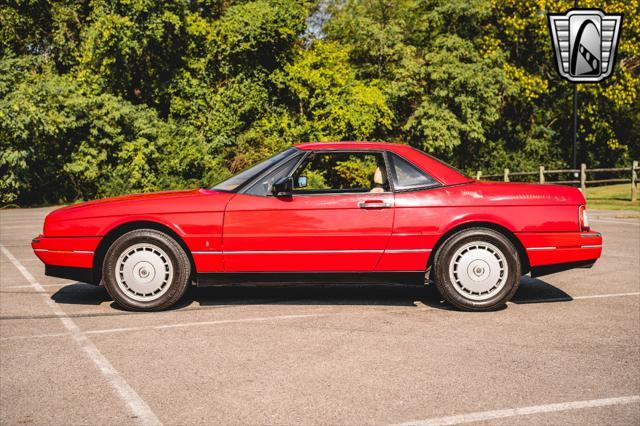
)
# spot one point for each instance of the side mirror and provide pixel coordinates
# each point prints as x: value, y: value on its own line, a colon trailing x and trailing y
x: 283, y: 187
x: 302, y: 181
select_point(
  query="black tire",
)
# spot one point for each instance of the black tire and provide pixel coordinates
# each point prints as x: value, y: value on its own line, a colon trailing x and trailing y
x: 453, y: 289
x: 167, y: 250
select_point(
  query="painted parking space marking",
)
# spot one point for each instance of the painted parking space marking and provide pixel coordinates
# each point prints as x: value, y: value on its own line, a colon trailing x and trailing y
x: 523, y: 411
x: 597, y: 296
x: 129, y: 396
x: 27, y: 260
x: 420, y: 305
x: 43, y: 285
x: 177, y: 325
x: 570, y: 298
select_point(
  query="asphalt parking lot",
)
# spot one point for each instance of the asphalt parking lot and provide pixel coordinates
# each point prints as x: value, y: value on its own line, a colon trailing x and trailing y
x: 565, y: 351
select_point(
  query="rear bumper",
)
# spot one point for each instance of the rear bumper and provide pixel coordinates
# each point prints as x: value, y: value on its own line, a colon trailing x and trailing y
x: 562, y: 250
x: 538, y: 271
x: 74, y: 252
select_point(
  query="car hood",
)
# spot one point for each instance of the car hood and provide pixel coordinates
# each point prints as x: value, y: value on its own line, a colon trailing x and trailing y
x: 193, y: 200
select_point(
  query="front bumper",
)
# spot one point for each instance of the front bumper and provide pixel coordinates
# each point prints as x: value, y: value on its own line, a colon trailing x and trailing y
x: 553, y: 252
x: 67, y: 257
x: 66, y: 251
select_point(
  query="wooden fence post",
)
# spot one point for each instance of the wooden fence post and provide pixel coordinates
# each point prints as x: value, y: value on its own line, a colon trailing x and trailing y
x: 634, y: 182
x: 479, y: 175
x: 541, y: 174
x: 506, y: 175
x: 583, y: 178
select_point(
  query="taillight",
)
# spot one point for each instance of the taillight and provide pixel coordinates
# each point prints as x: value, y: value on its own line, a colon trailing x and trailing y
x: 584, y: 218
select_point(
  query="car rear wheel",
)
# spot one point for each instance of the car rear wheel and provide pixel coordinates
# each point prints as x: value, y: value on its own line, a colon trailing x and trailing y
x: 477, y: 269
x: 146, y: 270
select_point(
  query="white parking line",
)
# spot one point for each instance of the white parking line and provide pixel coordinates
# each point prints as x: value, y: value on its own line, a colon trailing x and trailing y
x: 597, y: 296
x: 177, y: 325
x: 570, y: 298
x: 30, y: 260
x: 136, y: 404
x: 418, y: 303
x: 522, y: 411
x: 43, y: 285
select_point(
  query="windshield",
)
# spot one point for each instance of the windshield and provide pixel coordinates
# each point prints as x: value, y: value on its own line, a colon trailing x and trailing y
x: 241, y: 178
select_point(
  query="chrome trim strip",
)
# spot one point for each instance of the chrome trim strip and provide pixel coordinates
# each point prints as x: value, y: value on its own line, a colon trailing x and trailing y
x: 311, y: 251
x: 65, y: 251
x: 408, y: 251
x: 554, y: 248
x: 341, y: 251
x: 300, y: 251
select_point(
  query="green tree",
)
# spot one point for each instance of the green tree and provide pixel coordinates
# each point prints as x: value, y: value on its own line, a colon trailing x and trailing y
x: 105, y: 97
x: 60, y: 142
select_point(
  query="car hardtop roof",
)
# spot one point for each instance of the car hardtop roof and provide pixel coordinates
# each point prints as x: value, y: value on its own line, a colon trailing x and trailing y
x: 351, y: 145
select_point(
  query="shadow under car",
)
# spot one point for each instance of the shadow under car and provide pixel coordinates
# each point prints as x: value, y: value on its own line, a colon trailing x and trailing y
x: 531, y: 290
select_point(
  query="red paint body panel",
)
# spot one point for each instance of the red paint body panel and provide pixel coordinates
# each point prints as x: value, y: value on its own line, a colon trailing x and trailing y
x: 229, y: 232
x: 403, y: 261
x: 74, y: 252
x: 208, y: 261
x: 563, y: 255
x: 561, y: 247
x: 301, y: 229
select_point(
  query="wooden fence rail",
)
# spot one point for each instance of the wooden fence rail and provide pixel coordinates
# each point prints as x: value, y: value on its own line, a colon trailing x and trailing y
x: 582, y: 172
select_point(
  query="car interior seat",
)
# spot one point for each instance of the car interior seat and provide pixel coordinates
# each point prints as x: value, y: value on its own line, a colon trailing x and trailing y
x: 378, y: 181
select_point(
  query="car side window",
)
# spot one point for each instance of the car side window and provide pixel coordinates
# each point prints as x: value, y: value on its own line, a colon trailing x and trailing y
x: 408, y: 176
x: 341, y: 172
x: 263, y: 186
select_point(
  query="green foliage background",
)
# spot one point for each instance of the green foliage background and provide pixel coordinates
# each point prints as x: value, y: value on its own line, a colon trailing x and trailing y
x: 99, y: 98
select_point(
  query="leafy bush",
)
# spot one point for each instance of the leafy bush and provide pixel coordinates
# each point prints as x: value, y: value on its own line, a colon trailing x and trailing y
x: 113, y: 96
x: 61, y: 143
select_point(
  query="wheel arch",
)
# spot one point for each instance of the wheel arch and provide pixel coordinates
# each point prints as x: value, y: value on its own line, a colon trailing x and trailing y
x: 118, y: 231
x: 522, y: 252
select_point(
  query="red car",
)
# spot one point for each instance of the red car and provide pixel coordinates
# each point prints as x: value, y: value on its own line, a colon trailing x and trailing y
x: 325, y: 212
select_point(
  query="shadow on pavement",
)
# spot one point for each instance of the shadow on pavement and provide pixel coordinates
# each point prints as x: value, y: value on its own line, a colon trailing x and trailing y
x: 81, y: 294
x: 530, y: 291
x: 305, y: 294
x: 533, y: 290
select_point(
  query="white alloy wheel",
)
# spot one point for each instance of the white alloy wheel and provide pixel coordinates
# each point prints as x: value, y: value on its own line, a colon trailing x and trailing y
x: 144, y: 272
x: 478, y: 270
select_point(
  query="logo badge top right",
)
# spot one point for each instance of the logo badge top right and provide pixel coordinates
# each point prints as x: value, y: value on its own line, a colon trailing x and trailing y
x: 585, y: 42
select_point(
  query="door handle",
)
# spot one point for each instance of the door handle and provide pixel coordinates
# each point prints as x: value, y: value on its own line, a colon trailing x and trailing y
x: 374, y: 204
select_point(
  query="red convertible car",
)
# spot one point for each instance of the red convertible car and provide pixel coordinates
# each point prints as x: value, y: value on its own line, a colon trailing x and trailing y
x: 325, y: 212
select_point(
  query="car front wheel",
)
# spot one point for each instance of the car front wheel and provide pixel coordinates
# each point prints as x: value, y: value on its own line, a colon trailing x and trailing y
x: 146, y: 270
x: 477, y: 269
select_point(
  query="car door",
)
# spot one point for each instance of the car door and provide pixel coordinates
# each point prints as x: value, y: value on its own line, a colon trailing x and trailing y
x: 416, y: 223
x: 338, y: 217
